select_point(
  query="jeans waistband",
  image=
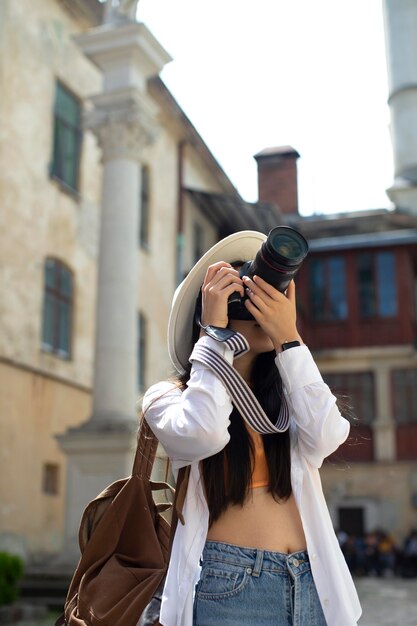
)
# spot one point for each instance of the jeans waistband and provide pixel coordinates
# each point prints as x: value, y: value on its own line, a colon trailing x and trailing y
x: 256, y: 560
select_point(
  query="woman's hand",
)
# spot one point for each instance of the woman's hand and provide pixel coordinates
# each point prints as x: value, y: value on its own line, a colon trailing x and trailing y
x: 220, y: 282
x: 274, y: 311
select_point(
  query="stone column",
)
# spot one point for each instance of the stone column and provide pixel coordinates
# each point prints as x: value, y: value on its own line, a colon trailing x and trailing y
x: 124, y: 126
x: 124, y: 119
x: 400, y: 18
x: 384, y: 425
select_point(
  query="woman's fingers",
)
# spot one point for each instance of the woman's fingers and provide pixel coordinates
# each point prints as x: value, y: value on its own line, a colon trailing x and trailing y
x: 260, y: 287
x: 290, y: 293
x: 274, y: 311
x: 223, y: 272
x: 221, y: 281
x: 267, y: 288
x: 257, y: 299
x: 217, y: 270
x: 253, y: 310
x: 224, y: 281
x: 269, y: 295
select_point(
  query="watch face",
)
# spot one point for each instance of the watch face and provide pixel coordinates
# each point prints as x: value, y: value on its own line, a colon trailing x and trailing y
x: 220, y: 334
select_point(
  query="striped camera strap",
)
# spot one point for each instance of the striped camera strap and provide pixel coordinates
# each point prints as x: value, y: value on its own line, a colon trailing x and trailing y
x: 242, y: 396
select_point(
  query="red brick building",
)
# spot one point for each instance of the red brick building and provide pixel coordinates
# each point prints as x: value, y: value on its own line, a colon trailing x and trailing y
x: 357, y: 301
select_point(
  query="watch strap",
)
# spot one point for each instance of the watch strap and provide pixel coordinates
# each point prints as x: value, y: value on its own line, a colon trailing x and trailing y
x: 290, y: 344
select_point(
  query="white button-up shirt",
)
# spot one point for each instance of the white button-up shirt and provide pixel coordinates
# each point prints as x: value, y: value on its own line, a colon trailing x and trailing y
x: 193, y: 425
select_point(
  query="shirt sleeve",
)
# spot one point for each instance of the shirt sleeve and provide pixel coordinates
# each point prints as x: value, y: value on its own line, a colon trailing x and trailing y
x: 192, y: 424
x: 320, y: 427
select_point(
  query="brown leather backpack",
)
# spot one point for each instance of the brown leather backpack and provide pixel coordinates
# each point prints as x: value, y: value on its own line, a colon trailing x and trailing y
x: 125, y: 547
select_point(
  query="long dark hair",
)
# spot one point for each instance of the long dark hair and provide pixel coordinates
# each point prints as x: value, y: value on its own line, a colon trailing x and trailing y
x: 232, y: 487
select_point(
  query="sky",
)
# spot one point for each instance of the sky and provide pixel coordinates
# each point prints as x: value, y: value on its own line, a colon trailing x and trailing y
x: 251, y: 74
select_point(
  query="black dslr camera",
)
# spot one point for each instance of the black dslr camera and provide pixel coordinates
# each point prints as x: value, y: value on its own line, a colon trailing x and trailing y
x: 277, y: 262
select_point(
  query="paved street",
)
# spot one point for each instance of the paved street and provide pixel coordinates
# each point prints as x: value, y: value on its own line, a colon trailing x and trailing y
x: 388, y: 602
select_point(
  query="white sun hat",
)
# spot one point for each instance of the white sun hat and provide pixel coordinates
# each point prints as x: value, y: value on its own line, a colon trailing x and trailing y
x: 241, y: 246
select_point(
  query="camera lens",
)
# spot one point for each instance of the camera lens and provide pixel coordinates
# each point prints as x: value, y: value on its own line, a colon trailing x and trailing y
x: 286, y: 246
x: 277, y: 262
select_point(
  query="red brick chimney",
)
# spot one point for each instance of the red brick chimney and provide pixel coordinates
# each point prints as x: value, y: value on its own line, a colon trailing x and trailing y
x: 277, y: 177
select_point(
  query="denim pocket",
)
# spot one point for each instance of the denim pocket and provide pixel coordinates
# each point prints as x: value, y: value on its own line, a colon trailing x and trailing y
x: 217, y: 581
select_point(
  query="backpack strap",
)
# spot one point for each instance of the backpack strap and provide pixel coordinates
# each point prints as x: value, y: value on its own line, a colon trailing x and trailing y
x: 145, y: 451
x: 143, y: 463
x: 181, y: 492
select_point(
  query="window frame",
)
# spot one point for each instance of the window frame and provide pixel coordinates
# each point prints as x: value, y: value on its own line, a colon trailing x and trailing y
x: 403, y: 393
x: 142, y: 349
x: 363, y: 392
x: 58, y: 298
x: 144, y: 201
x: 51, y: 479
x: 56, y: 168
x: 326, y: 316
x: 375, y: 279
x: 198, y: 237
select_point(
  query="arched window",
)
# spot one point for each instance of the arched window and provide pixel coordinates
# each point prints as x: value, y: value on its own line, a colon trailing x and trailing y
x: 57, y: 308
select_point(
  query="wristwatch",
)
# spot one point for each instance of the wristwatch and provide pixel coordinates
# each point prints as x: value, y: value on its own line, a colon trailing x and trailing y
x: 290, y: 344
x: 215, y: 332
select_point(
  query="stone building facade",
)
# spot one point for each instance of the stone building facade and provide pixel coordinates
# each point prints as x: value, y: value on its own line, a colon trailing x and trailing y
x: 51, y: 206
x: 51, y: 197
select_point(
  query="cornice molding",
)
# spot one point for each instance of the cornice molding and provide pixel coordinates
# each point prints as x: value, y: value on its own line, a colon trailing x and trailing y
x: 90, y: 10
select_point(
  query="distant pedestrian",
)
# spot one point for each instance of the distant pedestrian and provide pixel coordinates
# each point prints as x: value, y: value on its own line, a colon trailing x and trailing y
x: 409, y: 561
x: 387, y: 553
x: 371, y: 553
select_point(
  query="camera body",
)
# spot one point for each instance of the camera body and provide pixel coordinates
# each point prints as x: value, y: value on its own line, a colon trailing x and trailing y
x: 277, y: 262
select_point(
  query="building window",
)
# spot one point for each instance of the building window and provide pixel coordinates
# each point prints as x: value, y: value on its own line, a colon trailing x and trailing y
x: 377, y: 285
x: 356, y: 400
x: 142, y: 349
x: 327, y: 287
x: 57, y: 308
x: 198, y: 242
x: 144, y: 207
x: 67, y: 137
x: 50, y: 479
x: 404, y: 387
x: 356, y: 391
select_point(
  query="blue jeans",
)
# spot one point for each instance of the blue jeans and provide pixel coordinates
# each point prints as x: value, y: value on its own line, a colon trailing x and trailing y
x: 241, y: 586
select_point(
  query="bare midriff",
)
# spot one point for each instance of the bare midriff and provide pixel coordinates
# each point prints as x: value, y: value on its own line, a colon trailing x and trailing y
x: 261, y: 523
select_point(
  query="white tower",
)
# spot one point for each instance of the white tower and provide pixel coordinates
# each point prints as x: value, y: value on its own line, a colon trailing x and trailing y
x: 400, y: 17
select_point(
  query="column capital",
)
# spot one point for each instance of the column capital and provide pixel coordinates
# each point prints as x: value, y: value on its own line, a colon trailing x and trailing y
x: 124, y: 124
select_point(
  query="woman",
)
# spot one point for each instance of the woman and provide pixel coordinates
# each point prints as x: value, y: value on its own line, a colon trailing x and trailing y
x: 255, y: 515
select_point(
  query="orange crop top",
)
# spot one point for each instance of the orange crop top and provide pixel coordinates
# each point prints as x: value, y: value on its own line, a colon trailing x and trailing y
x: 260, y: 472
